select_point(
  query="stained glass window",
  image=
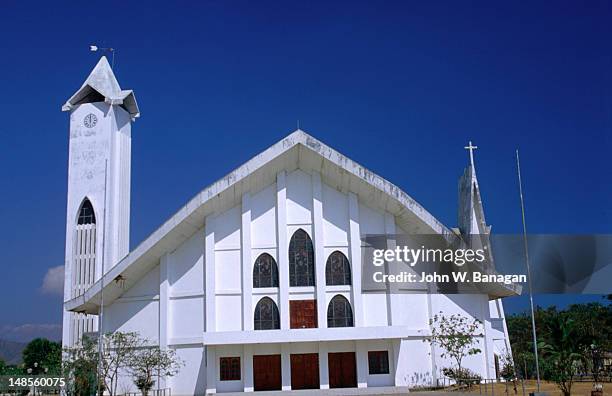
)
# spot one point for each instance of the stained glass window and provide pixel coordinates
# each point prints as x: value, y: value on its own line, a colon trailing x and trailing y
x: 265, y: 271
x: 301, y: 260
x: 337, y: 270
x: 339, y: 312
x: 266, y: 315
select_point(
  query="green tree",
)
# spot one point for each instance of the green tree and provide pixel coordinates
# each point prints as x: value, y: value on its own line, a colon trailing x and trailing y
x: 79, y: 368
x: 118, y: 350
x: 594, y: 329
x: 563, y: 352
x: 149, y: 361
x: 41, y: 354
x: 591, y: 333
x: 519, y: 330
x: 457, y: 336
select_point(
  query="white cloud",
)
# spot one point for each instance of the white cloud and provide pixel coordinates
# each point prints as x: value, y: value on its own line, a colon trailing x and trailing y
x: 53, y: 283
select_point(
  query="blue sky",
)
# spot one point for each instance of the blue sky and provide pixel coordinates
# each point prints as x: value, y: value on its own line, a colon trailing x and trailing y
x: 397, y: 86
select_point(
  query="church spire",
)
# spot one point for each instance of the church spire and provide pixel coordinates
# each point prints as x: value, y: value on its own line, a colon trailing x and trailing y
x: 471, y: 217
x: 102, y: 86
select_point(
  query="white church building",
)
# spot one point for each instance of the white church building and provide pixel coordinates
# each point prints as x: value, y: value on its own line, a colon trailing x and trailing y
x: 256, y: 281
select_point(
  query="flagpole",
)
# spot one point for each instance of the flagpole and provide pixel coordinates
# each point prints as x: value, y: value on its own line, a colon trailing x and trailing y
x: 533, y: 327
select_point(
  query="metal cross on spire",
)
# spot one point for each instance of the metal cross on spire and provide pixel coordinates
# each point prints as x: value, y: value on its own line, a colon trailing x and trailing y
x: 471, y: 148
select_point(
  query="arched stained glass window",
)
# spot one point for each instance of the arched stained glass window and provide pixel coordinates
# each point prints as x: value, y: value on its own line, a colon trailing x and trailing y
x: 86, y: 213
x: 265, y: 271
x: 301, y: 260
x: 266, y: 315
x: 339, y: 312
x: 337, y: 270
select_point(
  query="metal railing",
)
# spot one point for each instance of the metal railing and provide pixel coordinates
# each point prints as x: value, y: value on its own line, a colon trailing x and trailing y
x: 152, y: 392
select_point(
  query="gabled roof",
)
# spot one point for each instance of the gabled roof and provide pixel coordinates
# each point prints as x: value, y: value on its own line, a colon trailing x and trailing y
x: 298, y: 150
x: 102, y: 86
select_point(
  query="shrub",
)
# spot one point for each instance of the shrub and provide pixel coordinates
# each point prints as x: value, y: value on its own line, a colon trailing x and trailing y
x: 462, y: 376
x: 144, y: 384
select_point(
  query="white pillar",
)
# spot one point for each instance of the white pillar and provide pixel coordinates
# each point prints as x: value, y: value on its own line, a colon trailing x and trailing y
x: 323, y: 366
x: 487, y: 340
x: 400, y: 348
x: 282, y: 252
x: 394, y: 304
x: 211, y: 369
x: 286, y: 366
x: 355, y: 258
x: 319, y: 250
x: 361, y: 355
x: 247, y: 265
x: 209, y: 256
x: 247, y: 364
x: 432, y: 347
x: 164, y: 289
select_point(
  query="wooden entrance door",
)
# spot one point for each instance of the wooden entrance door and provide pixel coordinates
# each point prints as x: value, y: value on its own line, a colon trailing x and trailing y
x: 305, y: 371
x: 267, y: 372
x: 342, y: 370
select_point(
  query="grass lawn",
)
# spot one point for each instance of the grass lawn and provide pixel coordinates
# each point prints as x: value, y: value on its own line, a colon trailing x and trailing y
x: 578, y: 388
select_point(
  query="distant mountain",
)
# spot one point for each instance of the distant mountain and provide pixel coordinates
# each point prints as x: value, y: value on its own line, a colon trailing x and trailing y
x: 10, y: 351
x: 27, y: 332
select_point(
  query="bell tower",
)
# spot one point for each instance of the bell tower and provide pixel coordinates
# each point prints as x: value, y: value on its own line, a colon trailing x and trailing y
x: 98, y: 204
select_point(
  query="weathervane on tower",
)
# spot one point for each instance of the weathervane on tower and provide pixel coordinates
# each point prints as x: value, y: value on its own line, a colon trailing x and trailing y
x: 95, y: 48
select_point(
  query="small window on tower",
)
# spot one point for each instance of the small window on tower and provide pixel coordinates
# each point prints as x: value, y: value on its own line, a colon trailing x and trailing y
x: 86, y: 214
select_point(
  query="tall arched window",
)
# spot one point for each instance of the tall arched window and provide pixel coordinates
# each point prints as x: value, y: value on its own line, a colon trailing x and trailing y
x: 83, y: 265
x: 337, y: 270
x: 301, y: 260
x: 265, y: 271
x: 339, y: 312
x: 266, y: 315
x: 86, y: 213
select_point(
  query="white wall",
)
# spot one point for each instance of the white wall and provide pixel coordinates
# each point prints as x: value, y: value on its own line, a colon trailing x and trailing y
x: 191, y: 379
x: 137, y: 310
x: 228, y: 253
x: 476, y: 306
x: 411, y: 360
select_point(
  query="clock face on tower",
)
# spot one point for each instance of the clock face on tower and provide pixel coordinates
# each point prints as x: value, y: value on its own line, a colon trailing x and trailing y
x: 90, y: 120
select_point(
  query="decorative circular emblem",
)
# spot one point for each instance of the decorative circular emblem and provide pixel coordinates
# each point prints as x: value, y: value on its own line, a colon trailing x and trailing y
x: 90, y: 120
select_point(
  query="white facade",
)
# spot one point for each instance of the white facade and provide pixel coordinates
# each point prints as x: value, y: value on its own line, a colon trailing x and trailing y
x: 189, y: 286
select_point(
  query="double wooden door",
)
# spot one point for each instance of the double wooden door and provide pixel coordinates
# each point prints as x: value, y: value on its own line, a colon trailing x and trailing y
x: 342, y: 370
x: 267, y: 372
x: 305, y: 371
